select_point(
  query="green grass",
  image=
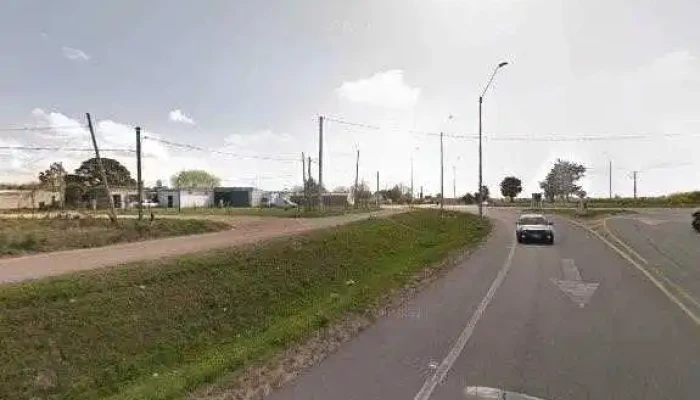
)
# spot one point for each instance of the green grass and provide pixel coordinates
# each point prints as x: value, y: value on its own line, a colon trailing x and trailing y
x: 590, y: 213
x: 258, y: 211
x: 36, y: 235
x: 160, y: 329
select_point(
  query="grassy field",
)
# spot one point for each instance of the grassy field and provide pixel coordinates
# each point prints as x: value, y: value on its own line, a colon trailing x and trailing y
x: 157, y: 330
x: 30, y: 235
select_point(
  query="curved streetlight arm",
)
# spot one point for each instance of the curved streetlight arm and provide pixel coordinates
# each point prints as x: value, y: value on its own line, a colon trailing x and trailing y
x: 499, y: 66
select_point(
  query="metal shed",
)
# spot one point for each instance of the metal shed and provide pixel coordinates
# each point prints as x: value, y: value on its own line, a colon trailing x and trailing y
x: 237, y: 197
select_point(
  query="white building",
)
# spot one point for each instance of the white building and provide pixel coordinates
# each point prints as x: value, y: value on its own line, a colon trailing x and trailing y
x: 184, y: 198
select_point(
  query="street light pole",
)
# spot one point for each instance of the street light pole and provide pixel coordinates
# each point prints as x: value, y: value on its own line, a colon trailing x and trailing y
x: 479, y: 202
x: 481, y: 166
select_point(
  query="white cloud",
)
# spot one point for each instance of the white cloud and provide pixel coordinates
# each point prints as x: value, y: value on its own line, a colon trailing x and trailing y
x: 74, y: 54
x: 69, y: 134
x: 179, y: 116
x: 383, y: 89
x: 61, y: 126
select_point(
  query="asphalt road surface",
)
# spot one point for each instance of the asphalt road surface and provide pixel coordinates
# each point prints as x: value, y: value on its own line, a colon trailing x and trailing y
x: 663, y: 242
x: 569, y: 321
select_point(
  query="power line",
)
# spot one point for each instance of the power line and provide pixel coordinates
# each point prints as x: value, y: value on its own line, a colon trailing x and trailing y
x: 204, y: 149
x: 71, y: 149
x: 41, y: 128
x: 520, y: 137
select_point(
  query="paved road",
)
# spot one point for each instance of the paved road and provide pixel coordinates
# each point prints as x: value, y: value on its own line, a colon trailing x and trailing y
x: 511, y: 317
x: 252, y: 230
x: 664, y: 242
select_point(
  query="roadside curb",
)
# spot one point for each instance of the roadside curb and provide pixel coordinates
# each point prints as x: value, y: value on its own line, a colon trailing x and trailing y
x: 660, y: 285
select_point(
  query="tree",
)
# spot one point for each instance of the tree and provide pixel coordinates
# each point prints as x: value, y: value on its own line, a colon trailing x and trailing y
x: 363, y: 191
x: 468, y: 198
x: 117, y: 174
x: 561, y: 180
x: 194, y: 179
x: 397, y: 194
x: 312, y: 187
x: 483, y: 196
x: 55, y: 179
x: 511, y: 187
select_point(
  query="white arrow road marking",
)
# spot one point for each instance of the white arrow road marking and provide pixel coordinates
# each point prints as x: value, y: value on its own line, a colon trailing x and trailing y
x: 572, y: 286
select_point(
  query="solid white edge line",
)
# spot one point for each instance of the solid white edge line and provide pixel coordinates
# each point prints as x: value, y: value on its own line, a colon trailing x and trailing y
x: 695, y: 318
x: 429, y: 386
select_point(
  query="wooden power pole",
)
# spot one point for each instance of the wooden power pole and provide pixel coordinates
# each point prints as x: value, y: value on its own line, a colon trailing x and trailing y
x: 303, y: 181
x: 103, y: 174
x: 376, y: 193
x: 139, y: 179
x: 357, y: 173
x: 320, y: 162
x: 442, y: 175
x: 610, y: 179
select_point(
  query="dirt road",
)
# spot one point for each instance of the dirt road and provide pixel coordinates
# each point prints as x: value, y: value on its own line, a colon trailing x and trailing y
x: 244, y: 230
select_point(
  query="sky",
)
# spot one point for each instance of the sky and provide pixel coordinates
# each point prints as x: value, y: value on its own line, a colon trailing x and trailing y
x: 242, y: 83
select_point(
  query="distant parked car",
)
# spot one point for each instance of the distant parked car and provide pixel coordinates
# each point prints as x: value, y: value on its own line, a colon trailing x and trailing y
x: 282, y: 202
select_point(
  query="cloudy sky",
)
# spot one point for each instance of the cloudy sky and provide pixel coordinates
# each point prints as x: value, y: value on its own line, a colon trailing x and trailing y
x: 588, y: 80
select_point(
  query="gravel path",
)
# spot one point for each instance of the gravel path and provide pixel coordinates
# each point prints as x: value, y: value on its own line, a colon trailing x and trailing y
x: 243, y: 231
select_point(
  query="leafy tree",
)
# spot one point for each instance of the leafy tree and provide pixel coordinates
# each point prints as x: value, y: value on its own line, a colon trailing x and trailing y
x: 312, y: 187
x: 468, y: 198
x: 397, y: 194
x: 55, y: 179
x: 511, y: 187
x: 484, y: 195
x: 561, y: 180
x: 117, y: 174
x: 548, y: 187
x: 363, y: 191
x: 194, y: 179
x: 74, y: 194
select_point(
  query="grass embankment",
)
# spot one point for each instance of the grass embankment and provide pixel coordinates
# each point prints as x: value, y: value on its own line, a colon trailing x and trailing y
x: 259, y: 211
x: 157, y: 330
x: 32, y: 235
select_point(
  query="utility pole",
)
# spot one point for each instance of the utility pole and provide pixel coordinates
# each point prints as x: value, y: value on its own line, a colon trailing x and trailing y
x: 103, y: 174
x: 357, y: 172
x: 442, y: 176
x: 376, y: 194
x: 411, y: 179
x: 478, y: 200
x: 320, y: 162
x: 62, y: 184
x: 303, y: 182
x: 634, y: 176
x: 139, y: 180
x: 454, y: 181
x: 303, y: 168
x: 308, y: 165
x: 610, y: 179
x: 481, y: 166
